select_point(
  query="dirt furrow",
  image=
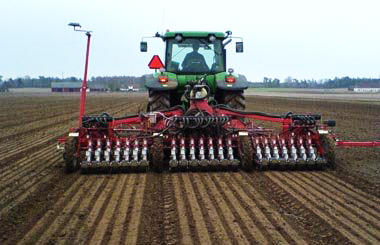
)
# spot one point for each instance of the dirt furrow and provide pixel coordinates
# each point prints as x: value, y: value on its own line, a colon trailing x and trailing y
x: 24, y: 162
x: 35, y: 167
x: 193, y: 206
x: 186, y: 235
x: 16, y: 144
x: 347, y: 217
x: 245, y: 218
x: 24, y: 189
x: 121, y: 211
x: 309, y: 224
x: 254, y: 211
x: 345, y: 203
x: 252, y: 195
x: 349, y: 189
x: 135, y: 218
x: 105, y: 220
x: 28, y: 145
x: 316, y: 206
x: 229, y: 215
x: 55, y: 228
x: 37, y: 230
x: 74, y: 221
x: 29, y: 129
x: 33, y: 146
x: 84, y: 233
x: 57, y: 124
x: 219, y: 233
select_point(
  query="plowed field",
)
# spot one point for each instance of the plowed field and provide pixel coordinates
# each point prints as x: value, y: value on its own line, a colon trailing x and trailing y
x: 41, y: 204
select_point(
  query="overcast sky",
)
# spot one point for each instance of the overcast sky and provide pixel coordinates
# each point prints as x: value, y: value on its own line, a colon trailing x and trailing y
x: 297, y: 38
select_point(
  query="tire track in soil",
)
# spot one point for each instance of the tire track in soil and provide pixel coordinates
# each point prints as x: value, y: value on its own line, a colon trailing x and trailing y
x: 310, y: 202
x: 171, y: 228
x: 151, y: 229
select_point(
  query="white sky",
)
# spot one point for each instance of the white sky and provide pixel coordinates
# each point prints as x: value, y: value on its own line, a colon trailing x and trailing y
x: 298, y: 38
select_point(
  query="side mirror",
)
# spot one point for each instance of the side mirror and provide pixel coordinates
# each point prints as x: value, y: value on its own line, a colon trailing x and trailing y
x: 239, y: 47
x: 143, y: 46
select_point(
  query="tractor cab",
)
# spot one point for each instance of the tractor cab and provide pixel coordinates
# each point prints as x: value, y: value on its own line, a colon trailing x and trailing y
x: 194, y: 58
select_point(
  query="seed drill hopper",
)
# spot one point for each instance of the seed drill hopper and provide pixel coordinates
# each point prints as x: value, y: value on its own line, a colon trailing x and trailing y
x: 195, y: 119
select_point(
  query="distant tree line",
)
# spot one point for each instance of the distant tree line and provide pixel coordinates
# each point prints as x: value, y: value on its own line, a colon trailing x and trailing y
x: 343, y: 82
x: 114, y: 83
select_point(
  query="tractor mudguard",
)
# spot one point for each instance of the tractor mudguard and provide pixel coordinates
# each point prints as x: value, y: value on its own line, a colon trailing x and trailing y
x: 238, y: 85
x: 157, y: 86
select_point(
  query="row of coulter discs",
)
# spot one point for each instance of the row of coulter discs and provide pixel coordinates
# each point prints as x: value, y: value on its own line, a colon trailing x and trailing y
x: 200, y: 153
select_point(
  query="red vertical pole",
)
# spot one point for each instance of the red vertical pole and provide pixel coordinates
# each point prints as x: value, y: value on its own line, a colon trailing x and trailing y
x: 84, y: 83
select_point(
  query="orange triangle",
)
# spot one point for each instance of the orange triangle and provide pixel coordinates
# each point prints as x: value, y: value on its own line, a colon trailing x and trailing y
x: 156, y: 63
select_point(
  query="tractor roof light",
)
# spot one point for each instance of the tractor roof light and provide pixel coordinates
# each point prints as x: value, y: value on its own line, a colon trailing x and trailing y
x: 211, y: 38
x: 163, y: 79
x: 178, y: 38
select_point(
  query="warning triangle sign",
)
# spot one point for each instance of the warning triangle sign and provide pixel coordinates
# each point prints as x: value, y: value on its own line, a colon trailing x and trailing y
x: 156, y: 63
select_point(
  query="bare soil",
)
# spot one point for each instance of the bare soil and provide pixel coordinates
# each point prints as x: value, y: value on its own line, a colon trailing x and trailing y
x: 41, y: 204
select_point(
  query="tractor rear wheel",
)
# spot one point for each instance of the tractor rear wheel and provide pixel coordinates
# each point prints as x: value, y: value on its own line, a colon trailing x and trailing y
x: 157, y: 154
x: 71, y: 161
x: 158, y: 100
x: 234, y: 99
x: 328, y: 144
x: 247, y: 159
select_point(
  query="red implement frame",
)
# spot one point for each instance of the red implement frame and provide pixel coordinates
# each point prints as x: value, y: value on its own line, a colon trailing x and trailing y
x: 84, y: 83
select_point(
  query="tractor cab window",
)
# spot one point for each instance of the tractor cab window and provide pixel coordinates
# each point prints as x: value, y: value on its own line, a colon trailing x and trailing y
x: 194, y: 55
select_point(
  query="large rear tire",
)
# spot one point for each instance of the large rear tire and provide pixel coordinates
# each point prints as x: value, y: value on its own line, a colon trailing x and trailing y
x: 329, y: 146
x: 234, y: 99
x: 157, y: 154
x: 247, y: 159
x: 158, y: 100
x: 71, y: 161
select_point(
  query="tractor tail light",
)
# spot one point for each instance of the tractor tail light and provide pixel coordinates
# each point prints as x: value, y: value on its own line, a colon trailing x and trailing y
x: 230, y: 79
x: 163, y: 79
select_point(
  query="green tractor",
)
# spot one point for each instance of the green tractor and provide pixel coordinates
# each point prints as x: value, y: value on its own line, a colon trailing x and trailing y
x: 192, y: 58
